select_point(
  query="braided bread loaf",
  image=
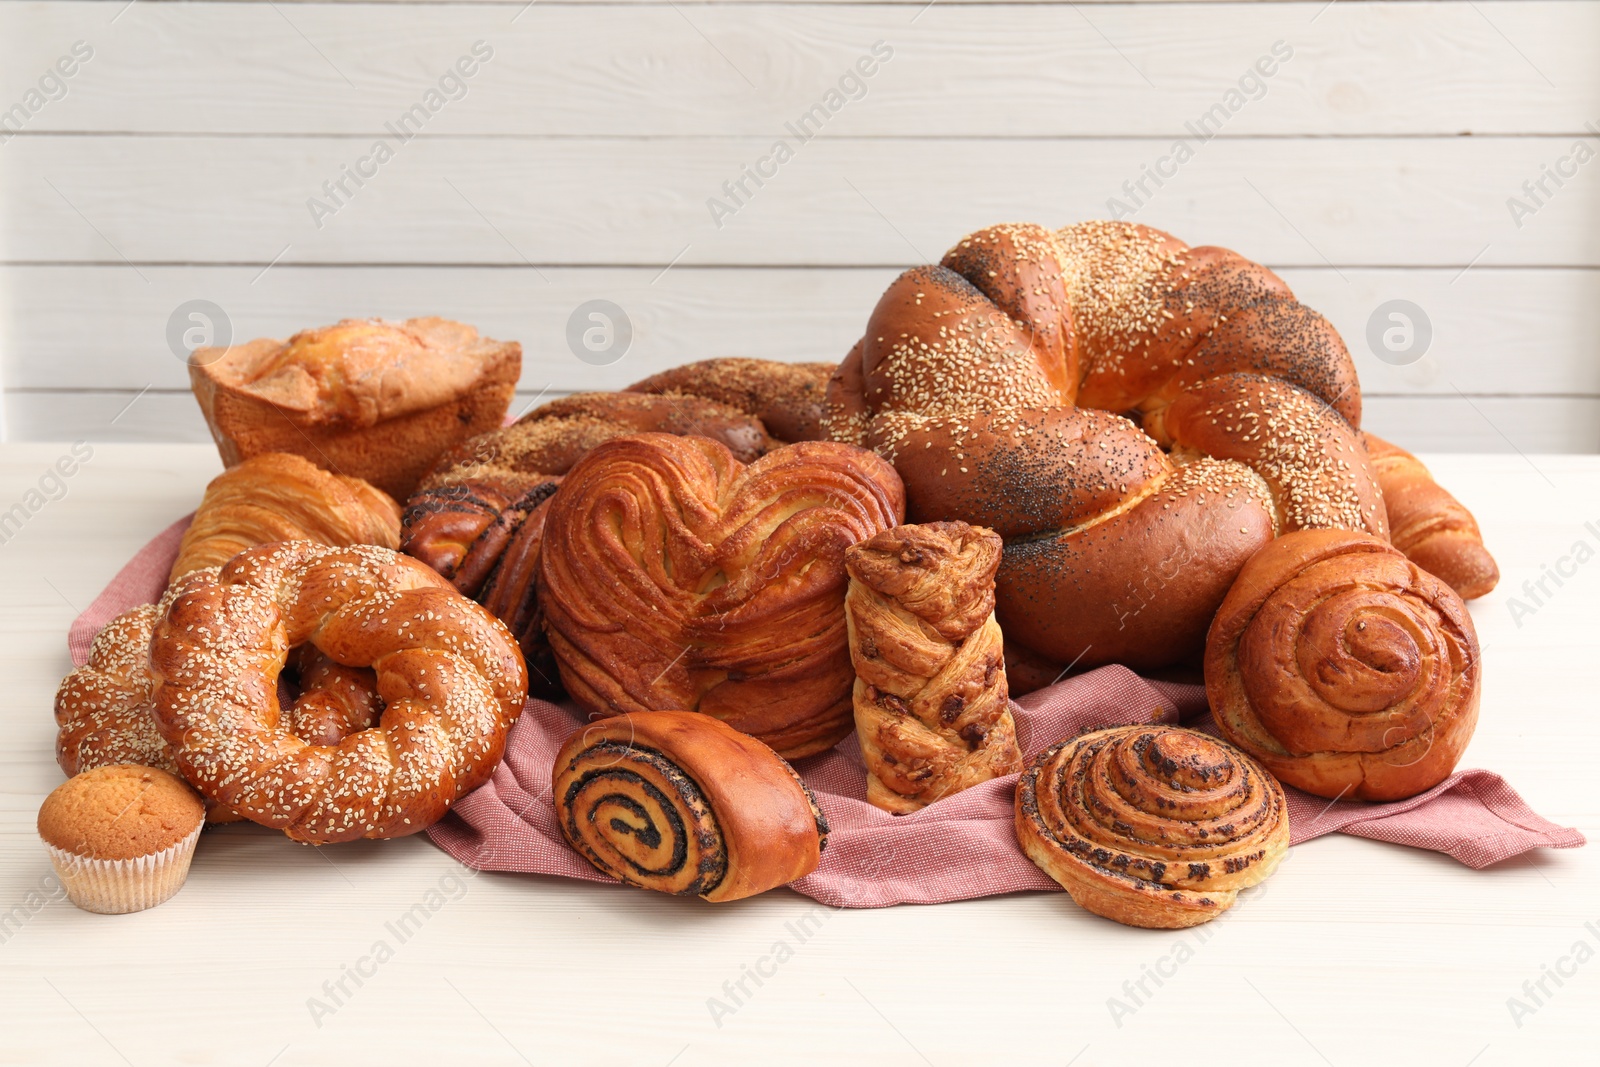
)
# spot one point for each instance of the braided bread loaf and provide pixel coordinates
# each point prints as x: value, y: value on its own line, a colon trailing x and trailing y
x: 930, y: 693
x: 105, y: 713
x: 448, y: 673
x: 989, y: 381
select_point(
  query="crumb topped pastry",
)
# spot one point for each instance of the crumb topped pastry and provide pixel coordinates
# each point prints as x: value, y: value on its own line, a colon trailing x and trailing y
x: 368, y: 398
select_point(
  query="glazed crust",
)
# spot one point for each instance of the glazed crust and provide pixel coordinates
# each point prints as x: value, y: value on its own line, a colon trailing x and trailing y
x: 105, y: 710
x: 278, y: 496
x: 1151, y: 826
x: 448, y: 673
x: 673, y: 576
x: 1348, y: 670
x: 930, y: 693
x: 366, y: 398
x: 1429, y: 525
x: 681, y: 803
x: 786, y: 397
x: 997, y: 381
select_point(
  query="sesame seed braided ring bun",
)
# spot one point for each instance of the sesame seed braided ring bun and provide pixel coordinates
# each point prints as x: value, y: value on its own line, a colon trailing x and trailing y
x: 1151, y: 826
x: 105, y: 712
x: 683, y: 803
x: 448, y: 673
x: 1344, y: 667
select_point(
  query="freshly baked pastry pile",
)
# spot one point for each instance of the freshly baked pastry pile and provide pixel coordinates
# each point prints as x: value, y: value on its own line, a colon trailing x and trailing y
x: 1110, y: 447
x: 931, y: 707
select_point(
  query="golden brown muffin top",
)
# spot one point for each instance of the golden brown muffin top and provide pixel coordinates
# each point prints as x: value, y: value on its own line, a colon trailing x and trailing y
x: 361, y: 371
x: 120, y: 812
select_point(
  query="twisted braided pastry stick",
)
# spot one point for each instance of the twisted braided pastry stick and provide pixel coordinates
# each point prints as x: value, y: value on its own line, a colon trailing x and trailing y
x: 930, y: 692
x: 682, y: 803
x: 1344, y: 667
x: 448, y: 673
x: 1151, y: 826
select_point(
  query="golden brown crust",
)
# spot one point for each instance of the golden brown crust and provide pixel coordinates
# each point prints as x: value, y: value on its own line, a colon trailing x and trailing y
x: 1345, y: 668
x: 930, y: 694
x: 966, y: 379
x: 1151, y: 826
x: 786, y: 397
x: 674, y: 577
x: 448, y: 672
x: 1429, y: 525
x: 366, y: 398
x: 119, y: 812
x: 682, y: 803
x: 277, y: 496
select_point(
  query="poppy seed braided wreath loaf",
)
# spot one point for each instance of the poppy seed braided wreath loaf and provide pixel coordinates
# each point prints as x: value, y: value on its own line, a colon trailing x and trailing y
x: 997, y: 382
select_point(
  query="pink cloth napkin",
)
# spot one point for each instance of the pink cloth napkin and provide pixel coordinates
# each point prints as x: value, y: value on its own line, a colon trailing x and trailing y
x: 960, y: 848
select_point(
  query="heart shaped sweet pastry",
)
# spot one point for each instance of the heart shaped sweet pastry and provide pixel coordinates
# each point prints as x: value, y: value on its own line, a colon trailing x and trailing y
x: 674, y: 577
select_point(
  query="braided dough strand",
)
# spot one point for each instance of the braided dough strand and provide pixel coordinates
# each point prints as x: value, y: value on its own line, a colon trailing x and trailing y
x: 930, y: 693
x: 448, y: 673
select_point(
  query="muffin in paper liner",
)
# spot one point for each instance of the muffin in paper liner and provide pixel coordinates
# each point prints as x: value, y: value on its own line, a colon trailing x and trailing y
x: 121, y: 837
x: 117, y: 887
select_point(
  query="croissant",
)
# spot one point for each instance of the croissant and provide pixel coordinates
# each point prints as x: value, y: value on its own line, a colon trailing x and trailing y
x: 674, y: 576
x: 1429, y: 525
x: 930, y: 693
x: 1344, y: 667
x: 448, y: 673
x: 990, y: 382
x: 281, y: 497
x: 681, y: 803
x: 1151, y: 826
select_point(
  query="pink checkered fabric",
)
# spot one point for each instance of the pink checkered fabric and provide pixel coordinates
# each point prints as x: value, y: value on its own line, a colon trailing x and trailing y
x: 963, y: 846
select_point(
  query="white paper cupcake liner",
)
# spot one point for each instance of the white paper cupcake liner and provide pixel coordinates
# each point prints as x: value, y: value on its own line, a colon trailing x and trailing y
x: 116, y: 887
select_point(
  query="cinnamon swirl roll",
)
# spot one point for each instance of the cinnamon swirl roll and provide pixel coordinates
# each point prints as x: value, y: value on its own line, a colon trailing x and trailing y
x: 1344, y: 667
x: 680, y: 803
x: 1153, y: 826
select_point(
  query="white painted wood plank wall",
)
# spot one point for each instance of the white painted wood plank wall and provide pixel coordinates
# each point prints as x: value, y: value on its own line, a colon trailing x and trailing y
x: 1376, y: 163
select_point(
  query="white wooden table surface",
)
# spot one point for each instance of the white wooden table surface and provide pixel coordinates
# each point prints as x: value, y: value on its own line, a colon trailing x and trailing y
x: 1354, y: 953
